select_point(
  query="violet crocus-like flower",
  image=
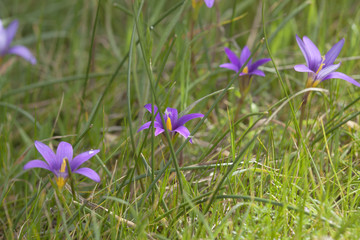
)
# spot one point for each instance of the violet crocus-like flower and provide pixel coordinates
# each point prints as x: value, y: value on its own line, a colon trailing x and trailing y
x: 320, y: 68
x: 172, y: 122
x: 209, y: 3
x: 6, y: 37
x: 56, y: 163
x: 237, y: 63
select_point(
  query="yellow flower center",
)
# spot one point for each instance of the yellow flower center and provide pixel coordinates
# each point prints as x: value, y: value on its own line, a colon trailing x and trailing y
x: 245, y: 70
x: 60, y: 181
x: 311, y: 82
x: 168, y: 124
x: 321, y: 65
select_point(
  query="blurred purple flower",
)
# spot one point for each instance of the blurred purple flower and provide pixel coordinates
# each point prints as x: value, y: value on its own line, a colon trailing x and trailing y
x: 209, y: 3
x: 173, y: 123
x: 57, y: 163
x: 237, y: 63
x: 320, y: 68
x: 6, y: 37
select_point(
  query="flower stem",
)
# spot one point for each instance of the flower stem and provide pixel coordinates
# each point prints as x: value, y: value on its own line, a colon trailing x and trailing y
x: 302, y: 114
x: 244, y: 85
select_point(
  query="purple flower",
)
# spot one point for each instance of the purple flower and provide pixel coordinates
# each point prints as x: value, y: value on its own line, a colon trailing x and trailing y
x: 6, y: 37
x: 237, y: 63
x: 320, y: 68
x: 173, y: 123
x: 209, y: 3
x: 56, y: 163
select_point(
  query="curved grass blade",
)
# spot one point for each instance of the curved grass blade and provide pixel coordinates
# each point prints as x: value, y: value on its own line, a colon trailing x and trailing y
x: 50, y: 83
x: 22, y: 111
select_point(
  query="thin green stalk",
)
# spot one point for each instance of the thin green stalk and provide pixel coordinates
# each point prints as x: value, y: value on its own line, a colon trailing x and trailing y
x: 88, y: 64
x: 50, y: 83
x: 277, y: 71
x: 129, y: 88
x: 22, y: 111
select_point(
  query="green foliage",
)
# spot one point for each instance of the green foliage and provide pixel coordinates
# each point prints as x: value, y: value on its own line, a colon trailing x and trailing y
x: 251, y: 172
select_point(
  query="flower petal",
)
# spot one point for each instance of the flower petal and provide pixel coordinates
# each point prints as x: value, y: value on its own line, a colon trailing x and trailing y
x: 159, y: 131
x: 232, y: 57
x: 230, y: 66
x: 257, y: 72
x: 11, y: 31
x: 243, y: 74
x: 258, y: 63
x: 245, y: 54
x: 342, y: 76
x: 81, y: 158
x: 149, y: 108
x: 326, y: 71
x: 47, y: 153
x: 88, y: 172
x: 313, y: 53
x: 303, y: 50
x: 3, y: 46
x: 184, y: 132
x: 64, y: 150
x: 172, y: 113
x: 332, y: 54
x: 302, y: 68
x: 37, y: 164
x: 209, y: 3
x: 181, y: 121
x: 22, y: 52
x: 148, y: 124
x: 145, y: 126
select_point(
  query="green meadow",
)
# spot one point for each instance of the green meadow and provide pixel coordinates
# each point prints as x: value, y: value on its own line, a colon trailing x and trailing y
x: 271, y: 157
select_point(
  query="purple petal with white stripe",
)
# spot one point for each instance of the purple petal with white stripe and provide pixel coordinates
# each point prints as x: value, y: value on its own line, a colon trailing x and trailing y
x: 172, y: 113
